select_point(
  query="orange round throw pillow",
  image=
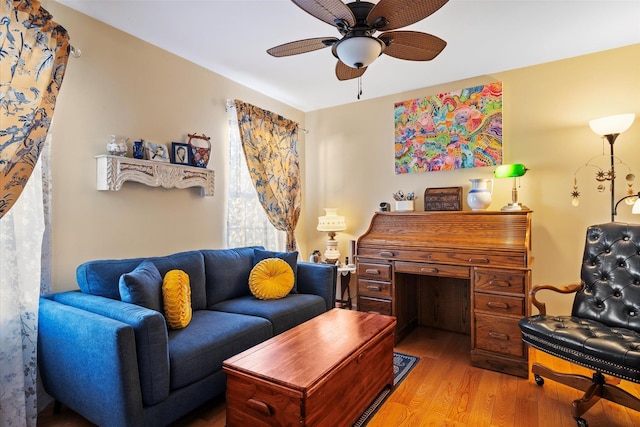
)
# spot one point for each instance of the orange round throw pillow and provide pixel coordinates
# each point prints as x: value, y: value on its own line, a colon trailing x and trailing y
x: 270, y: 279
x: 176, y: 293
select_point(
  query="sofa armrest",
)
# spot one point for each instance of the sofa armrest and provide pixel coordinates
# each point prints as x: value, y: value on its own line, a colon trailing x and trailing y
x: 151, y: 338
x: 318, y: 279
x: 541, y: 306
x: 87, y: 362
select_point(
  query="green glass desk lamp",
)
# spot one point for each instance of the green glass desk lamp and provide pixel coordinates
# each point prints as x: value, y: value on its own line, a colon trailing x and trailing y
x: 514, y: 171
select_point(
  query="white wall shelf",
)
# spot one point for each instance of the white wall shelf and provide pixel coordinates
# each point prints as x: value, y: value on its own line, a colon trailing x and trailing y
x: 113, y: 171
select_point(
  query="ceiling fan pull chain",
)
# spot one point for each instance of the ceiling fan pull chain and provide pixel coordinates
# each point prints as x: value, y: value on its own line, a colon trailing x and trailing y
x: 359, y: 86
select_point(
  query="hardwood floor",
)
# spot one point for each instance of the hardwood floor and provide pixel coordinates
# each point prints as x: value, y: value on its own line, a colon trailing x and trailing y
x: 444, y: 390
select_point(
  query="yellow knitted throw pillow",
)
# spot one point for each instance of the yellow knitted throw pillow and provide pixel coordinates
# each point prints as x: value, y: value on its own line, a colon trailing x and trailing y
x: 176, y: 293
x: 271, y: 278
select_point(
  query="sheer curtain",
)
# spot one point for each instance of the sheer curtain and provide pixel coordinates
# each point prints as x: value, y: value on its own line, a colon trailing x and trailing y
x: 21, y: 252
x: 247, y: 222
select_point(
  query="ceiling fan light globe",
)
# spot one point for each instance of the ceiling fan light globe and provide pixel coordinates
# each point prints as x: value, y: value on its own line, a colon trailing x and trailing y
x: 359, y: 51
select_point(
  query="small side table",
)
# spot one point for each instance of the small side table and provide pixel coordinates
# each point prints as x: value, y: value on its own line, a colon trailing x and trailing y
x: 343, y: 293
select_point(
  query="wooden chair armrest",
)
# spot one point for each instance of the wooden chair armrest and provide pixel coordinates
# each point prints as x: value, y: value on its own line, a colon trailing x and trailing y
x: 542, y: 308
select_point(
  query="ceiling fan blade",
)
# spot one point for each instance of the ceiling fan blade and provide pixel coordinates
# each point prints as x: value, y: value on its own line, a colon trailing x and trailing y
x: 327, y: 10
x: 344, y: 72
x: 412, y: 45
x: 400, y: 13
x: 301, y: 46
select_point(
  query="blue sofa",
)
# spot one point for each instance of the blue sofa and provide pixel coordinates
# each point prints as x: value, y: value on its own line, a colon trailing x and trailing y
x: 117, y: 363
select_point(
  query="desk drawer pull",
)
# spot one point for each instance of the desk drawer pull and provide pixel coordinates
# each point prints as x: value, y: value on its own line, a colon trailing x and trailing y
x: 478, y: 261
x: 387, y: 254
x: 499, y: 336
x: 374, y: 288
x: 259, y: 406
x: 503, y: 305
x: 429, y: 270
x: 372, y: 271
x: 500, y: 283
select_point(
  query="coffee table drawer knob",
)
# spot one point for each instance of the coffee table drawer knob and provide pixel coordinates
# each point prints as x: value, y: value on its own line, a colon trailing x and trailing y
x: 260, y: 406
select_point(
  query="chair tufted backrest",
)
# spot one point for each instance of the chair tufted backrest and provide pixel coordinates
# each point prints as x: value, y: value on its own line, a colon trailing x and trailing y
x: 611, y: 276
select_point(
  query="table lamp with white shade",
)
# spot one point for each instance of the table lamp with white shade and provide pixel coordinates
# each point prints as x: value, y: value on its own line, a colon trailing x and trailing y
x: 330, y: 223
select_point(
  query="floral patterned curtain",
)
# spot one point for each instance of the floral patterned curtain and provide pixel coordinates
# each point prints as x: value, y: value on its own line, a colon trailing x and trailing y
x: 270, y: 142
x: 34, y: 52
x: 33, y: 57
x: 247, y: 222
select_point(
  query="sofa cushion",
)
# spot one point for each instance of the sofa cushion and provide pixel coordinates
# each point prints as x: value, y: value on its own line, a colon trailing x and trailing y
x: 142, y: 286
x: 176, y: 294
x: 271, y: 278
x: 284, y: 313
x: 212, y: 337
x: 101, y: 277
x: 227, y: 272
x: 290, y: 257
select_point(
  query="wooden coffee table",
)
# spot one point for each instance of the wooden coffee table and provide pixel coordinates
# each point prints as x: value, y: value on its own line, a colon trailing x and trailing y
x: 324, y: 372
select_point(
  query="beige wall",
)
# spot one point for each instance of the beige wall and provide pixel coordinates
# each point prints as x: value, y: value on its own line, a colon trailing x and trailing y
x: 121, y: 85
x: 350, y: 152
x: 124, y: 86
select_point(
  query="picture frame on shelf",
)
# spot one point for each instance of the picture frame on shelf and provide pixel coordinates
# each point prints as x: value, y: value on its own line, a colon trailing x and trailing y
x: 180, y: 154
x: 156, y: 152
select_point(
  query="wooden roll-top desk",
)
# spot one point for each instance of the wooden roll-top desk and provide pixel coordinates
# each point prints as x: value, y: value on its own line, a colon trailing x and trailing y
x: 463, y: 271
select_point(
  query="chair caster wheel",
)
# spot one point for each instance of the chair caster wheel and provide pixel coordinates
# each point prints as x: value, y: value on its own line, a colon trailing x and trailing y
x: 539, y: 380
x: 582, y: 422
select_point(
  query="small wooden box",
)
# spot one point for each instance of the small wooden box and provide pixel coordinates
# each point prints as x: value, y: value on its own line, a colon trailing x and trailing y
x: 443, y: 199
x: 324, y: 372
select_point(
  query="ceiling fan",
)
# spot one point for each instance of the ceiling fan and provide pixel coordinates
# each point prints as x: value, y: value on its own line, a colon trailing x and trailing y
x: 357, y: 22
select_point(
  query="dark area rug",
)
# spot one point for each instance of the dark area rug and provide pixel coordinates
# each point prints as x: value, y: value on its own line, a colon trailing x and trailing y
x: 402, y: 365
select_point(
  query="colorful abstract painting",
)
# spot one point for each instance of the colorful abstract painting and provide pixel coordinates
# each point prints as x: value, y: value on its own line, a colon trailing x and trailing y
x: 454, y: 130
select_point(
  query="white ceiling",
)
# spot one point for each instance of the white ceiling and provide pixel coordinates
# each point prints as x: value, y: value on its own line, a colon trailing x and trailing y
x: 230, y: 37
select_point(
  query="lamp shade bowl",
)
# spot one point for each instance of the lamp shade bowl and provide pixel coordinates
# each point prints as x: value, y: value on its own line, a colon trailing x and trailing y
x: 612, y: 125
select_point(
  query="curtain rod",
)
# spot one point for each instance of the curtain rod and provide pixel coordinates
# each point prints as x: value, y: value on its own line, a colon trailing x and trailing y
x: 231, y: 104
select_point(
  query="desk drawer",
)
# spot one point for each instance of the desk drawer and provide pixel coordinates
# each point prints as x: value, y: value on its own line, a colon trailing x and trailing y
x: 432, y: 269
x: 511, y: 281
x: 374, y: 305
x: 499, y: 335
x: 374, y: 271
x: 374, y: 288
x: 499, y: 304
x: 447, y: 256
